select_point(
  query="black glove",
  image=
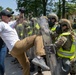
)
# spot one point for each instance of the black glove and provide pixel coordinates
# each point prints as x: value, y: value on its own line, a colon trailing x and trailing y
x: 58, y: 30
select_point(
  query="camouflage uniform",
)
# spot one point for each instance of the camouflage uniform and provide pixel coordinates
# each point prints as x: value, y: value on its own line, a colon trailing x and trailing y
x: 64, y: 47
x: 36, y: 27
x: 73, y: 66
x: 53, y: 23
x: 20, y: 29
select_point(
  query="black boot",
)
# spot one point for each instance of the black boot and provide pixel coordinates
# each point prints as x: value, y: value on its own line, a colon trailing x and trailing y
x: 39, y: 71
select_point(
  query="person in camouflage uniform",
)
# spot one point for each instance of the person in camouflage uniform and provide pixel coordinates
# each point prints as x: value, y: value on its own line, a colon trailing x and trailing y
x: 65, y: 49
x: 73, y: 66
x: 32, y: 28
x: 53, y: 25
x: 20, y: 29
x: 52, y: 19
x: 28, y: 31
x: 36, y: 30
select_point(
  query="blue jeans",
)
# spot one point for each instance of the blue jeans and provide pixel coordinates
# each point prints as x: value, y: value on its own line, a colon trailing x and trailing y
x: 3, y: 53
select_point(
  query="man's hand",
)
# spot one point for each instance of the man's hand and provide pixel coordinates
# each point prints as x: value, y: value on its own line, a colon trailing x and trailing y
x: 22, y: 10
x: 20, y: 18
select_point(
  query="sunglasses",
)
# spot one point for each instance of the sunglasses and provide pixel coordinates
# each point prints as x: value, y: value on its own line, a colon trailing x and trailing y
x: 8, y: 15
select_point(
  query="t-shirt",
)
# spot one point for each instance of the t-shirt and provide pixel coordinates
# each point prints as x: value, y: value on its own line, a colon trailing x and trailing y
x: 12, y: 24
x: 8, y: 34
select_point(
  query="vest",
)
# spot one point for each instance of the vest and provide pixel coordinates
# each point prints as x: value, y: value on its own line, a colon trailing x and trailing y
x: 62, y: 52
x: 53, y: 28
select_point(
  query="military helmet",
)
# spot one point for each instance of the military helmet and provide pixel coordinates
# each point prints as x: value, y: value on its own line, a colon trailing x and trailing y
x: 53, y: 15
x: 66, y: 22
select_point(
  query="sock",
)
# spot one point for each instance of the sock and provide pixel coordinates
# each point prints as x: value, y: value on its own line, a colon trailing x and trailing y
x: 38, y: 57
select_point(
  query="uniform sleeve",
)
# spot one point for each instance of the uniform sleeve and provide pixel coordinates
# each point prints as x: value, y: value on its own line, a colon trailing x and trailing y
x: 60, y: 42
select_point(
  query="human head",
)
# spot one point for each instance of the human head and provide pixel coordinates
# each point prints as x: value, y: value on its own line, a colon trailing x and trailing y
x: 6, y: 15
x: 52, y: 19
x: 65, y: 25
x: 74, y: 19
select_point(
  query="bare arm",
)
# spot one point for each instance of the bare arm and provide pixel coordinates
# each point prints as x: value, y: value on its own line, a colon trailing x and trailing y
x: 20, y: 19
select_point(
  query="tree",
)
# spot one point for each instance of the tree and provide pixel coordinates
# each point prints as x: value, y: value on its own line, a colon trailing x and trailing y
x: 9, y: 9
x: 63, y: 8
x: 38, y: 7
x: 1, y: 8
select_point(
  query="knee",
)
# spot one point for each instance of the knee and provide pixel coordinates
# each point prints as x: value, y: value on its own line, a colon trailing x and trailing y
x: 39, y: 37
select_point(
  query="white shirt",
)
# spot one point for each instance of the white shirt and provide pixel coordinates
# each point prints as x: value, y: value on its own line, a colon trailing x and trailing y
x: 8, y: 34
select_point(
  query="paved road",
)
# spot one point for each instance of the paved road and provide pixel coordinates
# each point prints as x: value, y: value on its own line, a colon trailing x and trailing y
x: 13, y: 69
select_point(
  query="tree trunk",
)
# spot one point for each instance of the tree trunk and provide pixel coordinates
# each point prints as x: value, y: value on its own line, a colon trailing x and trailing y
x: 44, y: 7
x: 59, y: 12
x: 63, y: 9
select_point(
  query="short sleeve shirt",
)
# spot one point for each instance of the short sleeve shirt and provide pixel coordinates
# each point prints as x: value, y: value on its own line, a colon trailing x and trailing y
x: 8, y: 34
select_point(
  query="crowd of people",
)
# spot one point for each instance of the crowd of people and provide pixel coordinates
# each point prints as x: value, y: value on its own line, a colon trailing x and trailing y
x: 24, y: 41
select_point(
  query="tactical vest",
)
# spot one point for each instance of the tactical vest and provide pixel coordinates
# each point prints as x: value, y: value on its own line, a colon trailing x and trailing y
x: 53, y: 28
x: 37, y: 28
x: 29, y: 28
x: 65, y: 53
x: 30, y: 31
x: 20, y: 30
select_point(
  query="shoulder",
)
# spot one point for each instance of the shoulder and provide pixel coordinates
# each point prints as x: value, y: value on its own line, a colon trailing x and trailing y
x: 2, y: 23
x: 11, y: 22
